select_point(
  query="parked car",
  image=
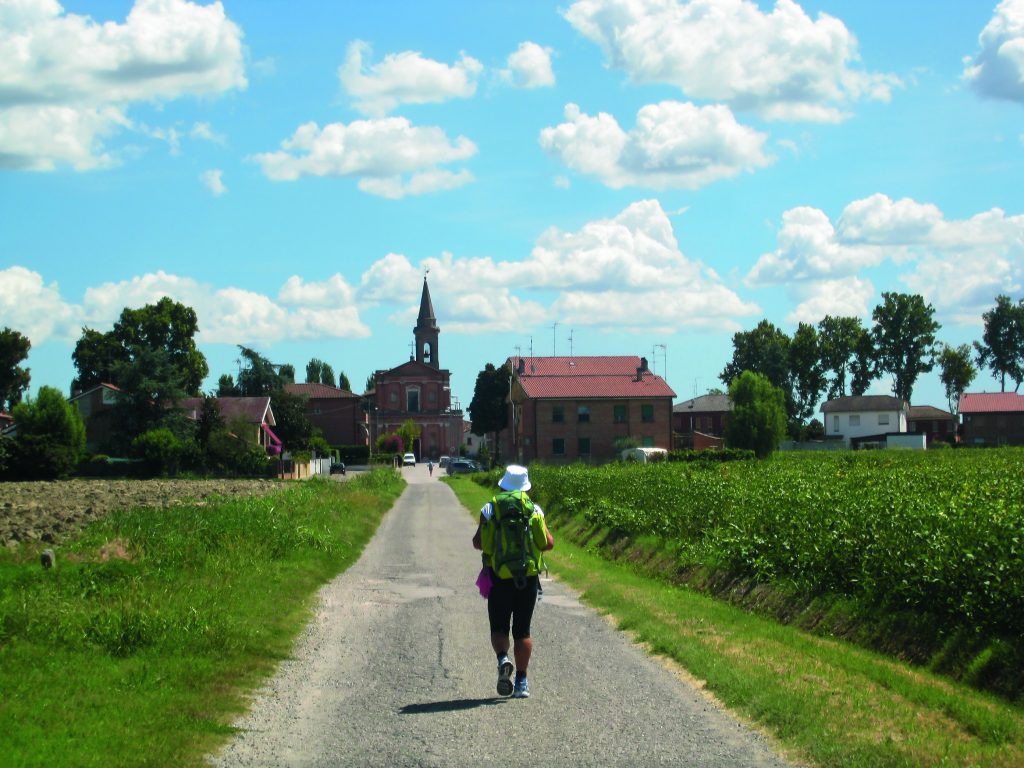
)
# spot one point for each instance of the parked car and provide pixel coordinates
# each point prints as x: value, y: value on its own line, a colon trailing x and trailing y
x: 461, y: 466
x: 338, y: 468
x: 443, y: 461
x: 409, y: 460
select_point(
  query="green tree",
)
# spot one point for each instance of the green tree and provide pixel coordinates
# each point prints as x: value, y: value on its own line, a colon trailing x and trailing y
x: 226, y: 386
x: 864, y: 365
x: 807, y: 372
x: 14, y: 379
x: 838, y: 337
x: 763, y: 350
x: 287, y: 373
x: 343, y: 382
x: 150, y: 388
x: 758, y: 419
x: 371, y: 383
x: 257, y: 376
x: 51, y: 436
x: 956, y: 372
x: 904, y: 337
x: 409, y: 432
x: 1002, y: 347
x: 488, y: 411
x: 319, y: 372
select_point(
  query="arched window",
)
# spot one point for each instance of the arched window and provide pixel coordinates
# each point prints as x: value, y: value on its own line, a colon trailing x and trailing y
x: 428, y: 352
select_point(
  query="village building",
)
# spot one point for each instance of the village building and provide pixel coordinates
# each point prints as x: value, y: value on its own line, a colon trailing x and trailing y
x: 934, y: 423
x: 567, y: 409
x: 96, y: 407
x: 700, y: 423
x: 336, y: 412
x: 249, y: 418
x: 992, y: 418
x: 418, y: 390
x: 861, y: 420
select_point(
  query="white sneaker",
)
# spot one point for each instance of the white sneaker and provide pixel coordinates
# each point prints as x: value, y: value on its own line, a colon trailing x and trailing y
x: 504, y: 676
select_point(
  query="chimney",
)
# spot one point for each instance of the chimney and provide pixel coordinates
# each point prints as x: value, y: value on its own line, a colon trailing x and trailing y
x: 521, y: 367
x: 640, y: 371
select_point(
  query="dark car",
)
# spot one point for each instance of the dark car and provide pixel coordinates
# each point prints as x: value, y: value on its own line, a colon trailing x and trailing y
x: 338, y: 468
x: 460, y: 466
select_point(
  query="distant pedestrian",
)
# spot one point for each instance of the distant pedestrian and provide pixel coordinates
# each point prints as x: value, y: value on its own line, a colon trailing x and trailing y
x: 512, y: 535
x: 430, y: 467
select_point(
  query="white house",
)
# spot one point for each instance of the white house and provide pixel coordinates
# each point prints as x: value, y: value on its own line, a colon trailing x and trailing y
x: 857, y: 419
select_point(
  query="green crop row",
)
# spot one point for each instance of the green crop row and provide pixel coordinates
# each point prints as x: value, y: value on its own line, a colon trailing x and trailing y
x: 939, y: 533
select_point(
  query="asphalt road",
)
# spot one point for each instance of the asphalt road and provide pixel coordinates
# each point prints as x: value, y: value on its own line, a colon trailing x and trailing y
x: 396, y: 670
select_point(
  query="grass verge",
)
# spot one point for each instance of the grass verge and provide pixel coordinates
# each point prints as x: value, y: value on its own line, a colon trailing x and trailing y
x: 828, y: 703
x: 143, y: 643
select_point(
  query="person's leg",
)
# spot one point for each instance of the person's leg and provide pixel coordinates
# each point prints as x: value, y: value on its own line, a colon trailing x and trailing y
x: 524, y: 602
x: 523, y: 651
x: 499, y: 642
x: 499, y: 613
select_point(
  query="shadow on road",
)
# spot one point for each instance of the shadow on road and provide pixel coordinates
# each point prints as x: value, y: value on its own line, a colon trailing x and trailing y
x: 448, y: 706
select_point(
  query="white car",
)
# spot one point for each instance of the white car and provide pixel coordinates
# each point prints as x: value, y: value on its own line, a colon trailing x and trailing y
x: 409, y: 460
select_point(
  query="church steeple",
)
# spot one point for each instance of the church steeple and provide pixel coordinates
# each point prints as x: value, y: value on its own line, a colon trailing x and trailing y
x: 426, y: 330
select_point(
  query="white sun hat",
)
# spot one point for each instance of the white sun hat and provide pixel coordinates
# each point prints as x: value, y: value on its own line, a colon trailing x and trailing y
x: 516, y: 479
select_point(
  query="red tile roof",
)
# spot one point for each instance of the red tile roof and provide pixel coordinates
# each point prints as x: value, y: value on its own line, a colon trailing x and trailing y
x: 254, y: 410
x: 587, y: 377
x: 318, y: 391
x: 929, y: 412
x: 991, y: 402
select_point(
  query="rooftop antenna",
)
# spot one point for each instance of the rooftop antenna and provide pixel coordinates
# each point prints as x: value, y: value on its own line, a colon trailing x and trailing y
x: 570, y: 341
x: 664, y: 359
x: 554, y: 342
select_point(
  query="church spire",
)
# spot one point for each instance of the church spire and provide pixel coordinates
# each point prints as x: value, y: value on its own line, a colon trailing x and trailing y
x: 426, y: 330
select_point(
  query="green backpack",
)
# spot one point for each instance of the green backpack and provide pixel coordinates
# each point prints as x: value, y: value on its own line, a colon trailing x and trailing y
x: 510, y: 537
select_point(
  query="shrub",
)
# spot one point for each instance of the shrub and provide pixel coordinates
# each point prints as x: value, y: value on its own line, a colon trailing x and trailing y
x: 50, y: 439
x: 161, y: 451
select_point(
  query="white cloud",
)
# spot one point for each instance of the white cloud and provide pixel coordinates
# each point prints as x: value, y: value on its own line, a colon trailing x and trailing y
x: 959, y: 266
x: 66, y: 80
x: 390, y: 157
x: 332, y: 292
x: 848, y: 297
x: 35, y: 309
x: 529, y: 66
x: 997, y: 71
x: 404, y: 78
x: 204, y: 132
x: 674, y: 145
x: 213, y: 181
x: 626, y: 272
x: 780, y: 64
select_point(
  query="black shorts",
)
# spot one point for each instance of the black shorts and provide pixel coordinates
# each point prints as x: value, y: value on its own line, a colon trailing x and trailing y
x: 508, y: 606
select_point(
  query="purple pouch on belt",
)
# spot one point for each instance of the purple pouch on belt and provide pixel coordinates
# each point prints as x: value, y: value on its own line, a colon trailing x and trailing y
x: 484, y: 582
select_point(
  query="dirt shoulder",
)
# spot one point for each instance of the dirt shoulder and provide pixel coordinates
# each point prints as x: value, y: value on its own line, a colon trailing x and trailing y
x: 48, y: 512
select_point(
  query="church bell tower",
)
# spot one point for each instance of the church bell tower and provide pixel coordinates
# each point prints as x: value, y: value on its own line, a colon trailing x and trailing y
x: 426, y: 331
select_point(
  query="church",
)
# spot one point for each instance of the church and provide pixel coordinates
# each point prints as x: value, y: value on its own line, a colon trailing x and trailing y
x: 418, y: 390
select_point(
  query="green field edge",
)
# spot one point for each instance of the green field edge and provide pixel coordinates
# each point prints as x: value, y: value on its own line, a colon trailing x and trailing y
x: 155, y: 669
x: 822, y: 700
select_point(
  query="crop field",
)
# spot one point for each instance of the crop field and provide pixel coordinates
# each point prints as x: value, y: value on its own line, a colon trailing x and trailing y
x: 937, y: 534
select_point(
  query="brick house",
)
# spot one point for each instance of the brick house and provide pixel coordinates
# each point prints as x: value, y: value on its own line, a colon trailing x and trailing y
x: 418, y: 390
x: 567, y: 409
x: 992, y: 418
x: 336, y: 412
x: 860, y: 419
x: 701, y: 422
x: 935, y: 424
x: 96, y: 407
x: 249, y: 418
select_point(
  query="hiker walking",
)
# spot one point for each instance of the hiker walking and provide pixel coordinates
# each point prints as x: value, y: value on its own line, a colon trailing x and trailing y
x: 512, y: 535
x: 430, y: 467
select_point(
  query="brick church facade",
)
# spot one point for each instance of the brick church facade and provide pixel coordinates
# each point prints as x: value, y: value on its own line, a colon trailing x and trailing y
x: 418, y: 390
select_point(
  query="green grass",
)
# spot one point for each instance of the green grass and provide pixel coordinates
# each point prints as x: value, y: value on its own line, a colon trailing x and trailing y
x: 142, y: 644
x: 826, y: 702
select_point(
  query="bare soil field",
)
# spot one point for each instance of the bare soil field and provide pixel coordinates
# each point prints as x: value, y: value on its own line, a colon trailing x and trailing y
x: 47, y: 512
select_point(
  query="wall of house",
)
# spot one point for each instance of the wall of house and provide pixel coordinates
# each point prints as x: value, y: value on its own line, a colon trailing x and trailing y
x: 592, y: 439
x: 337, y: 418
x: 991, y: 429
x: 852, y: 424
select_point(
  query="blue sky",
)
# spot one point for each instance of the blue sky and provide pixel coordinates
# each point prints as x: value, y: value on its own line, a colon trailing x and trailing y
x: 644, y: 177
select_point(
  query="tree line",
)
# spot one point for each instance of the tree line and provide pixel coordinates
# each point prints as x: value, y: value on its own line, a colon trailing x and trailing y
x: 150, y: 355
x: 840, y: 356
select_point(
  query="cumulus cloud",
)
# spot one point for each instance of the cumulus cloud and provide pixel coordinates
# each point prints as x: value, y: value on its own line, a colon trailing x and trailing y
x: 66, y: 81
x: 390, y: 156
x: 213, y: 181
x: 673, y: 145
x: 404, y: 78
x: 624, y: 272
x: 782, y: 65
x: 848, y: 297
x: 997, y: 70
x: 34, y: 308
x: 957, y: 265
x: 529, y: 66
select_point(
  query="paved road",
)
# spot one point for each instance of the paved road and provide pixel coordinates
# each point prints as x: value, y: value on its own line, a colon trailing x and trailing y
x: 396, y: 670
